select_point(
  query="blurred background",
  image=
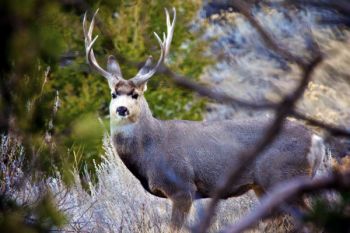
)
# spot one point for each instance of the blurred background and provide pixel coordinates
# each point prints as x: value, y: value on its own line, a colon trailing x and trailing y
x: 54, y: 109
x: 43, y: 35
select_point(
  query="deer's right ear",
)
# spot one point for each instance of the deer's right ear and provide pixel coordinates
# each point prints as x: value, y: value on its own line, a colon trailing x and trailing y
x: 113, y: 67
x: 112, y: 82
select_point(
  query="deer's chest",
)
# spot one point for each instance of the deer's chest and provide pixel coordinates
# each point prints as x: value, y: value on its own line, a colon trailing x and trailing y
x: 132, y: 152
x: 125, y: 145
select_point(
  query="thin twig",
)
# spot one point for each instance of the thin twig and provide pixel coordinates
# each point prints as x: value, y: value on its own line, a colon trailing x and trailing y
x: 270, y: 43
x: 287, y: 191
x: 215, y: 95
x: 342, y: 6
x: 221, y: 97
x: 286, y: 105
x: 283, y: 109
x: 332, y: 129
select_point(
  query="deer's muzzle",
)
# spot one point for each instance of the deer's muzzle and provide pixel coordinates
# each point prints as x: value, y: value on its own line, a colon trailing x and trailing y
x: 122, y: 111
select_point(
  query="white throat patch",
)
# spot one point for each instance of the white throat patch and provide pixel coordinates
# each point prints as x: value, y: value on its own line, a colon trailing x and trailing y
x: 118, y: 128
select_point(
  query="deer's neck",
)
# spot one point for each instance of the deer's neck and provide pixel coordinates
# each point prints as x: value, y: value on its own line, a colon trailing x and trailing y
x: 130, y: 140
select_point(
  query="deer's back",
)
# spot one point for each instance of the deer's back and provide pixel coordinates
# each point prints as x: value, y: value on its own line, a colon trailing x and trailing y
x: 212, y: 148
x: 201, y: 153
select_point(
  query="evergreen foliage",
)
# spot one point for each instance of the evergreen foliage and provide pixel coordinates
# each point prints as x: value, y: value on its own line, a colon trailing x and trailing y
x: 60, y: 116
x: 51, y: 35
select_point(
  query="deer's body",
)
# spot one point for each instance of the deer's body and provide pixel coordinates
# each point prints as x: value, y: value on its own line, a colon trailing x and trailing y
x: 185, y: 160
x: 197, y: 154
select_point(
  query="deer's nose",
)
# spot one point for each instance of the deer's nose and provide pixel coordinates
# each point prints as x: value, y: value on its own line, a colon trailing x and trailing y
x: 122, y: 111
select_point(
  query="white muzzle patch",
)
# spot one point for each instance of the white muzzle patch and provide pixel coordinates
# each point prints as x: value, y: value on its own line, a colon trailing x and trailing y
x: 123, y: 110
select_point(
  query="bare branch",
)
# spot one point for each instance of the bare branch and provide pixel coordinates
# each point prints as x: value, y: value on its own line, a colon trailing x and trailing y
x: 218, y: 96
x: 342, y: 6
x: 221, y: 97
x: 270, y: 43
x: 284, y: 108
x: 287, y: 191
x: 332, y: 129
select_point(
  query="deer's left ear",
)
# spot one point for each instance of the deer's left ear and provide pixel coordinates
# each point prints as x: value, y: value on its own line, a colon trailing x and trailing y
x: 113, y: 67
x: 145, y: 69
x: 143, y: 87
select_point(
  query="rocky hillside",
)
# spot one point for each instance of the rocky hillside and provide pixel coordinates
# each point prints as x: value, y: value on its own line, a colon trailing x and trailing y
x: 246, y: 69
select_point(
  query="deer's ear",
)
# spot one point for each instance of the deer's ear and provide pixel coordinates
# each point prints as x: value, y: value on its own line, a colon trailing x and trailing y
x: 144, y: 70
x: 146, y: 67
x: 144, y: 87
x: 112, y: 82
x: 113, y: 67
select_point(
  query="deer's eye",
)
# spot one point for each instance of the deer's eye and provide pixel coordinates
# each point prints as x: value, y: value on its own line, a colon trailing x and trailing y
x: 135, y: 96
x: 114, y: 95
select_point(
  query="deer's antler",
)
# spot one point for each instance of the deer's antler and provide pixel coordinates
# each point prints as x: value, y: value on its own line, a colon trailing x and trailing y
x: 90, y: 56
x: 146, y: 71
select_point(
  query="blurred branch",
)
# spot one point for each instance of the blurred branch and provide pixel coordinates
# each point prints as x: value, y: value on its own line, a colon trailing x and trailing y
x: 285, y: 107
x: 342, y: 6
x: 270, y: 43
x: 244, y: 8
x: 288, y: 191
x: 215, y: 95
x: 83, y: 6
x: 332, y: 129
x: 221, y: 97
x: 282, y: 110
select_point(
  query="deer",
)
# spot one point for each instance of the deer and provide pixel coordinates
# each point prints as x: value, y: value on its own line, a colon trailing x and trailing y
x: 185, y: 160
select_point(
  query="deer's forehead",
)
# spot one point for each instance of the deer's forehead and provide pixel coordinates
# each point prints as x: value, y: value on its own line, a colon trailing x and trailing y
x: 125, y: 87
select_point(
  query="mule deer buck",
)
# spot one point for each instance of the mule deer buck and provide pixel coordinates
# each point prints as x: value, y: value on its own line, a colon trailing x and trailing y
x: 185, y: 160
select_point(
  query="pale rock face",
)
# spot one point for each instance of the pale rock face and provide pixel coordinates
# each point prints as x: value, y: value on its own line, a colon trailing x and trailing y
x: 246, y: 69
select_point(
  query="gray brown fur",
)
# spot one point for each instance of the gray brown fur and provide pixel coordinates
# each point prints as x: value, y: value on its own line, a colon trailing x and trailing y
x: 185, y: 160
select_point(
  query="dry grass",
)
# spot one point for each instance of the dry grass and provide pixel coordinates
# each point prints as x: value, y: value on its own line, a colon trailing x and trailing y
x: 118, y: 202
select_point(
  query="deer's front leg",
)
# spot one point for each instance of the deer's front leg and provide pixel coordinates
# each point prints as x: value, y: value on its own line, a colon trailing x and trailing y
x: 182, y: 203
x: 174, y: 180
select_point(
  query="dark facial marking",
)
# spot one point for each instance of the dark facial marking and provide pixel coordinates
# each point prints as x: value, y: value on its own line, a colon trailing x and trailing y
x: 124, y: 88
x: 135, y: 96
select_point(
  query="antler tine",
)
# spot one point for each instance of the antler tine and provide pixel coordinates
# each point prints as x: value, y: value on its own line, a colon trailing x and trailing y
x: 90, y: 56
x: 170, y: 26
x: 164, y: 45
